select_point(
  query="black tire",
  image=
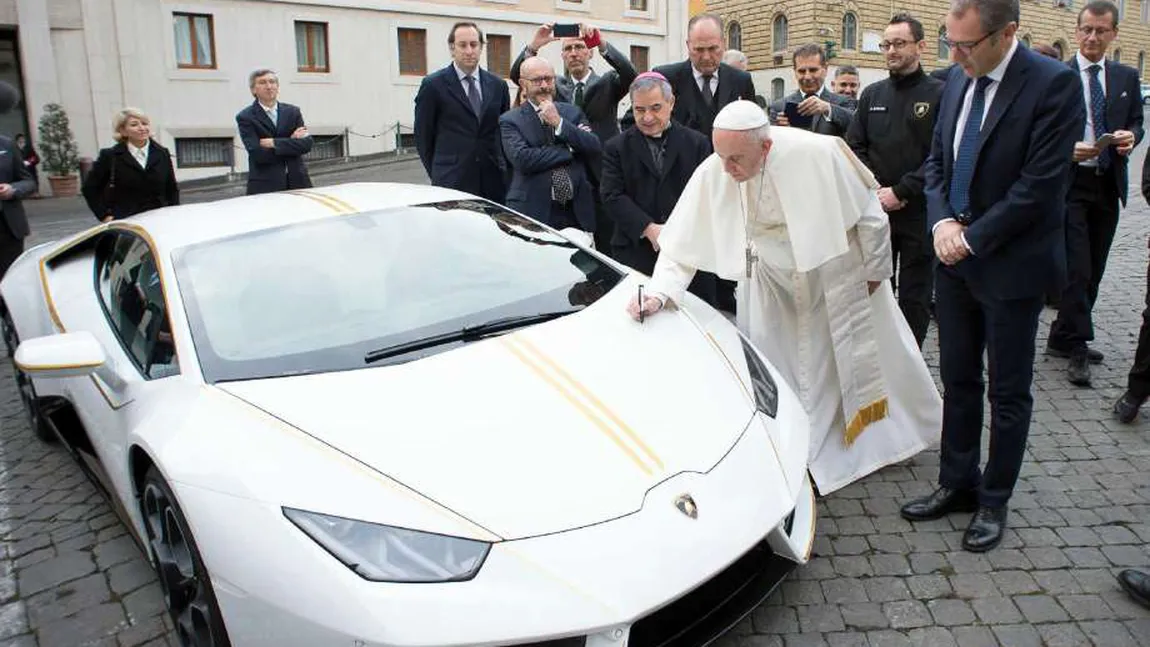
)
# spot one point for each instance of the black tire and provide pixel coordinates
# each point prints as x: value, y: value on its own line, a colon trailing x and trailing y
x: 187, y: 587
x: 36, y: 418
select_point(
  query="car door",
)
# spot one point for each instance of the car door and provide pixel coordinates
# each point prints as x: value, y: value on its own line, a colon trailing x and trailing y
x: 136, y: 334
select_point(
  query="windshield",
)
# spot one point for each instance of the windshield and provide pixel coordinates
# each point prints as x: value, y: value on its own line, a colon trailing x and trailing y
x: 320, y: 296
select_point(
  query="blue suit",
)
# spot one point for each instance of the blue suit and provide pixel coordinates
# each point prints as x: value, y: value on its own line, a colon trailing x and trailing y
x: 991, y: 300
x: 533, y: 154
x: 281, y: 167
x: 459, y: 150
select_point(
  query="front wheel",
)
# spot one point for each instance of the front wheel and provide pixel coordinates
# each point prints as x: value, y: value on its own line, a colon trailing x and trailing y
x: 35, y: 415
x: 187, y: 587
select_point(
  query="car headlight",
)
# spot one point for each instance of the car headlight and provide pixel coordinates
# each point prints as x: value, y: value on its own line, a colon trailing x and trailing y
x: 766, y: 391
x: 387, y: 554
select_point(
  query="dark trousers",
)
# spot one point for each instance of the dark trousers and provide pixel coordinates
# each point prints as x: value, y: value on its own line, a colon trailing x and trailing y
x: 970, y: 321
x: 1139, y: 381
x: 641, y: 256
x: 10, y: 248
x: 912, y: 256
x: 1091, y: 220
x: 563, y: 216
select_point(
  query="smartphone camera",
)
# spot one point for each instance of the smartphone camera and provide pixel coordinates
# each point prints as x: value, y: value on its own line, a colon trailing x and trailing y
x: 566, y: 30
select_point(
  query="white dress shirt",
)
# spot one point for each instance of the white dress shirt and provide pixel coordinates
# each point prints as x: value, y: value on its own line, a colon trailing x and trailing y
x: 462, y: 79
x: 699, y: 81
x: 272, y: 112
x: 140, y: 154
x: 1084, y: 73
x: 995, y: 76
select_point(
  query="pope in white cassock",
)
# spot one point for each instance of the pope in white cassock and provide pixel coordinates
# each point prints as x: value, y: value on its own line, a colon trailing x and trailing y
x: 794, y: 217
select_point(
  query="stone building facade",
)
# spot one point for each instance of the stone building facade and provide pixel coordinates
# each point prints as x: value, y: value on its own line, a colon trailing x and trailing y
x: 768, y: 31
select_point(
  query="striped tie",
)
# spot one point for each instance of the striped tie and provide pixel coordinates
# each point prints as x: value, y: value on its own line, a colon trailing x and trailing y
x: 1098, y: 113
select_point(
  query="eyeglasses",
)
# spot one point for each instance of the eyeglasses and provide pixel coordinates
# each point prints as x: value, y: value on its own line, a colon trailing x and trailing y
x: 895, y: 44
x: 1095, y: 31
x: 540, y: 79
x: 967, y: 46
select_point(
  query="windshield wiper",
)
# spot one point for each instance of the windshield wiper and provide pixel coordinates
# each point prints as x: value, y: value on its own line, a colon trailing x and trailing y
x: 465, y: 334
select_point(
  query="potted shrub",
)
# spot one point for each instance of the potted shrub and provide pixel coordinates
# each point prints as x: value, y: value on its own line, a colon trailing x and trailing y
x: 58, y: 151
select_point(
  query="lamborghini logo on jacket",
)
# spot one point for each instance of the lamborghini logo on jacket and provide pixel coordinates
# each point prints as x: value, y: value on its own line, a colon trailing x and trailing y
x: 687, y: 506
x: 921, y: 109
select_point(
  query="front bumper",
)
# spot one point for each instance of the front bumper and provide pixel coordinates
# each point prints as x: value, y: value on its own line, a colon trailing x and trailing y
x: 655, y: 577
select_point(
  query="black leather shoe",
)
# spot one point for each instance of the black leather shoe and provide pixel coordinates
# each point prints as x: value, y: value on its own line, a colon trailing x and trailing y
x: 1126, y: 408
x: 985, y: 529
x: 1137, y: 584
x: 1094, y: 356
x: 1078, y: 371
x: 940, y: 503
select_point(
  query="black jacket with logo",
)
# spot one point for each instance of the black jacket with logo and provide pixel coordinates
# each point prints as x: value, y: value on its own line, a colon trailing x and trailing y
x: 893, y: 128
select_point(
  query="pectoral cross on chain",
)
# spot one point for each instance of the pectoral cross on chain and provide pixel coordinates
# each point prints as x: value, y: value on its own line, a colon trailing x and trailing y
x: 752, y: 258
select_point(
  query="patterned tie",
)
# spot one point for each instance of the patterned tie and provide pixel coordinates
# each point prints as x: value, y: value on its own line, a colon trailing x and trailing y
x: 708, y: 96
x: 1098, y: 113
x: 473, y: 95
x: 579, y: 95
x: 562, y: 188
x: 963, y: 170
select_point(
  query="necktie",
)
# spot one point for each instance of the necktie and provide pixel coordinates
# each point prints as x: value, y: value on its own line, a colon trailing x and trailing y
x: 274, y: 116
x: 579, y: 95
x: 562, y: 188
x: 963, y: 170
x: 708, y: 96
x: 473, y: 95
x: 1098, y: 113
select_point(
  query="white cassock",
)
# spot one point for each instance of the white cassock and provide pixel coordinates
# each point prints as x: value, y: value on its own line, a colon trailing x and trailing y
x: 812, y: 232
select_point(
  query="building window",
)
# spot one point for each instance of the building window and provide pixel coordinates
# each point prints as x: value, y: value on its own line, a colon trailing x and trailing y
x: 1117, y: 56
x: 778, y: 88
x: 943, y: 48
x: 195, y: 41
x: 499, y: 55
x: 202, y: 152
x: 412, y: 52
x: 639, y: 58
x: 735, y: 36
x: 779, y: 34
x: 1141, y: 62
x: 637, y: 5
x: 850, y: 31
x: 325, y: 148
x: 1060, y: 49
x: 311, y: 46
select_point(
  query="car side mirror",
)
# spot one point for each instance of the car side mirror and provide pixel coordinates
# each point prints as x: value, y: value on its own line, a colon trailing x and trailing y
x: 70, y: 354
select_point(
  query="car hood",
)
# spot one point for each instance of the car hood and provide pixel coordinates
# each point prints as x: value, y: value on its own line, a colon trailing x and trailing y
x: 549, y: 428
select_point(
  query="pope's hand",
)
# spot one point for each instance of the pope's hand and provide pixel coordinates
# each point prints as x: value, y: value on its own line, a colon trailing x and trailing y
x: 651, y: 305
x: 948, y: 242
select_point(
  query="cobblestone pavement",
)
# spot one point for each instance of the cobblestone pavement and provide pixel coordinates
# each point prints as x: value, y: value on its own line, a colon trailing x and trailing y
x: 70, y: 575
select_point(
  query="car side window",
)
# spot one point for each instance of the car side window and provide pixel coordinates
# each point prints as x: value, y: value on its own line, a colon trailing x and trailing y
x: 128, y: 282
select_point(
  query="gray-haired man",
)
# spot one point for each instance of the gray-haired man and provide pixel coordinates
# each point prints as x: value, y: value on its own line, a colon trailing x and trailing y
x: 275, y: 138
x: 644, y: 172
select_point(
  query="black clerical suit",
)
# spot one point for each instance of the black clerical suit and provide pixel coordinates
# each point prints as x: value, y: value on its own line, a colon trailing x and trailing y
x: 1097, y: 192
x: 643, y: 178
x: 891, y: 133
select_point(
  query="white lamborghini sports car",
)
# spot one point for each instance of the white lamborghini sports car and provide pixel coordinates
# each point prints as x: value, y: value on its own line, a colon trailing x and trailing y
x: 380, y: 414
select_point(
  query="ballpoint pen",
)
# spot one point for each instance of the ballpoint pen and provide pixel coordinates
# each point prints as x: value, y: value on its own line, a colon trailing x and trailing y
x: 640, y: 303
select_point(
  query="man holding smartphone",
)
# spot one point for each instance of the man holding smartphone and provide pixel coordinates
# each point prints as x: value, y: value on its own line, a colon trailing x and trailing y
x: 1112, y: 93
x: 812, y: 106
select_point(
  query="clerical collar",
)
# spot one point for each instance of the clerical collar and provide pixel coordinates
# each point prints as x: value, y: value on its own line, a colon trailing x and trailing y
x: 661, y: 135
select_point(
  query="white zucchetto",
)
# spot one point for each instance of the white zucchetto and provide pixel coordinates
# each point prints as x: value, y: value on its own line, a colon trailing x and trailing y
x: 741, y: 115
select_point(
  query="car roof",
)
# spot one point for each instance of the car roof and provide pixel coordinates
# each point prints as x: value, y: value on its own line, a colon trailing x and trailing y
x: 173, y: 227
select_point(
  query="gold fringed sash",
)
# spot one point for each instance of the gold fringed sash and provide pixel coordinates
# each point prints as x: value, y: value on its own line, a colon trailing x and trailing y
x: 869, y: 414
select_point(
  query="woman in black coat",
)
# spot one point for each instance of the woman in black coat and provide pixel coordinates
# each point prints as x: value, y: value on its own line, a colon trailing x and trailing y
x: 135, y: 175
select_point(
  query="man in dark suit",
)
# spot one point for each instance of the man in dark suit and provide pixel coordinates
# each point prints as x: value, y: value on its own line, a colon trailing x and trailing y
x: 597, y: 95
x: 16, y: 183
x: 703, y: 84
x: 830, y: 113
x: 1138, y: 380
x: 644, y: 172
x: 996, y: 183
x: 549, y: 146
x: 457, y: 120
x: 1113, y: 104
x: 275, y: 138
